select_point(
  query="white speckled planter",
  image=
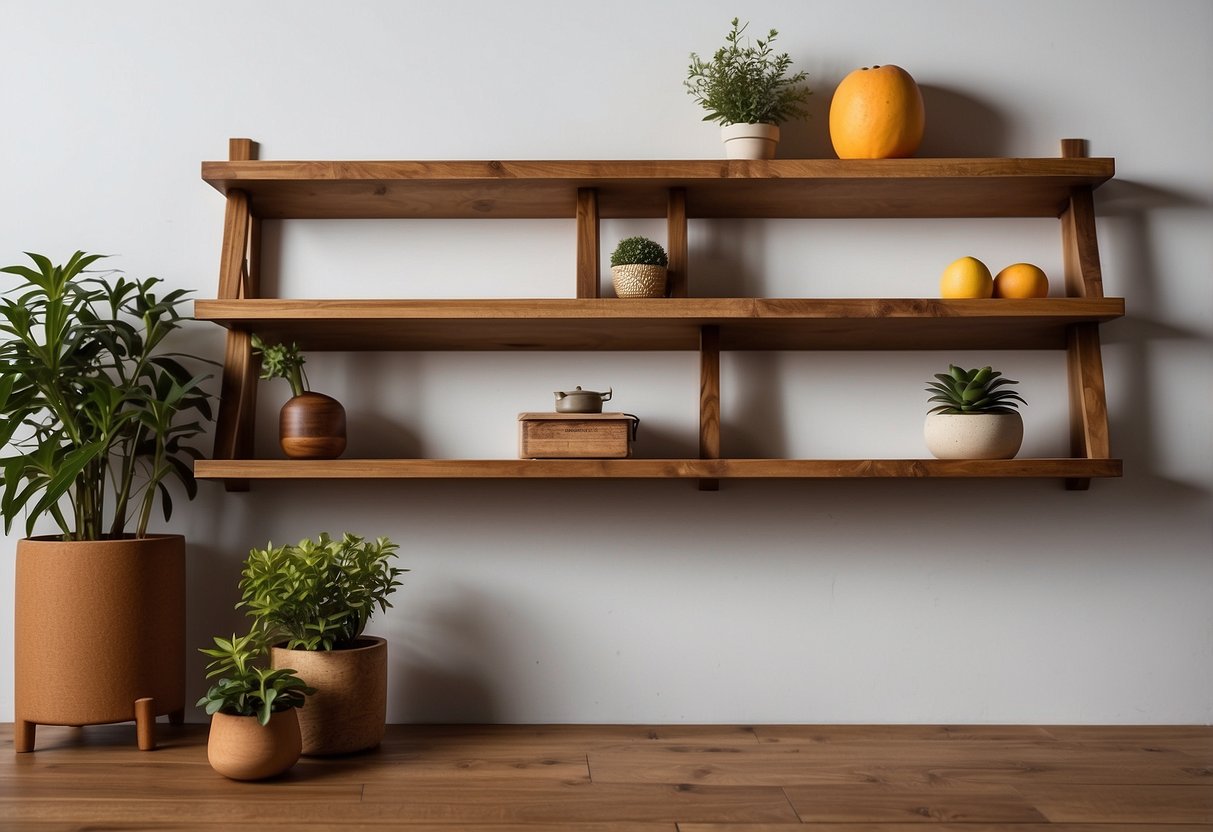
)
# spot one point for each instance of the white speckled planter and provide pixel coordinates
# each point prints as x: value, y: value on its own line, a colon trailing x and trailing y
x: 750, y: 141
x: 973, y: 435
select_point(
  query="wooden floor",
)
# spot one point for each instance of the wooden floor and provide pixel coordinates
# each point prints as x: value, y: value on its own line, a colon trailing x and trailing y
x: 634, y: 779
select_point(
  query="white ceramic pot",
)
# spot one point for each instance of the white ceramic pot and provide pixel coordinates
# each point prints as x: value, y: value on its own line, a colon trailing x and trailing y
x: 750, y: 141
x: 973, y: 435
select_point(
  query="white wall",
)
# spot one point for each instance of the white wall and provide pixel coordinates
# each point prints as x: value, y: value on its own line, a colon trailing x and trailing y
x: 898, y: 601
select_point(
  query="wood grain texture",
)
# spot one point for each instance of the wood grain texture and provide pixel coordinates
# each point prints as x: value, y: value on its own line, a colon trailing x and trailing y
x: 709, y: 400
x: 676, y: 243
x: 586, y: 778
x: 663, y: 324
x: 634, y: 468
x: 589, y: 244
x: 714, y: 188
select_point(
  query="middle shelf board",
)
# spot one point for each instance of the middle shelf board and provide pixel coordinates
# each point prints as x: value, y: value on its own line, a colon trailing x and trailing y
x: 275, y: 469
x: 663, y: 324
x: 788, y: 188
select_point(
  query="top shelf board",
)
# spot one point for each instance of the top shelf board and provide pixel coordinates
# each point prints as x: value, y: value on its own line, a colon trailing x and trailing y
x: 782, y: 188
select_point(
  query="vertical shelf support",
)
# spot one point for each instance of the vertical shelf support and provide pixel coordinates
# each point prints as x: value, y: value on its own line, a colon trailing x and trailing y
x: 709, y: 399
x: 239, y: 277
x: 588, y: 251
x: 1084, y: 363
x: 676, y: 241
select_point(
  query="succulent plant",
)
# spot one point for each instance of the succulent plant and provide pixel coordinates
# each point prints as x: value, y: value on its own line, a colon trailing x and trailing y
x: 282, y: 361
x: 972, y: 391
x: 639, y: 250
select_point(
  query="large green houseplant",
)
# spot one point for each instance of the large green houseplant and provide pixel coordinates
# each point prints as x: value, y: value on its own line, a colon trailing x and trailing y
x: 97, y: 417
x: 313, y: 600
x: 748, y: 89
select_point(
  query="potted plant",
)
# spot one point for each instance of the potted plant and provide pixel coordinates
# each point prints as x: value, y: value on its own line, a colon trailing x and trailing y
x: 747, y: 89
x: 638, y: 268
x: 310, y: 425
x: 313, y: 600
x: 254, y: 711
x: 976, y: 416
x: 97, y: 417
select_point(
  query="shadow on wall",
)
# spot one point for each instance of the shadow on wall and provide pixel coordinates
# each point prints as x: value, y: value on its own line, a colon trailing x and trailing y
x: 453, y: 686
x: 958, y: 125
x: 1128, y: 208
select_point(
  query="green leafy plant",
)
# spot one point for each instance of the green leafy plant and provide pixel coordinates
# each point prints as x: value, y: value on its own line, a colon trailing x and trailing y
x: 244, y: 689
x: 282, y: 361
x: 747, y: 84
x: 319, y: 594
x: 93, y: 410
x: 639, y: 250
x: 972, y: 391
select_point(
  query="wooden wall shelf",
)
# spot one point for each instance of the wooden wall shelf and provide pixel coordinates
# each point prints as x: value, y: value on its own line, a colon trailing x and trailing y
x: 588, y: 191
x: 338, y: 469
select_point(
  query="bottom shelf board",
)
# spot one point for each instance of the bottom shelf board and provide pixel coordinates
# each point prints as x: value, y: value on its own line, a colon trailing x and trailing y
x: 271, y: 469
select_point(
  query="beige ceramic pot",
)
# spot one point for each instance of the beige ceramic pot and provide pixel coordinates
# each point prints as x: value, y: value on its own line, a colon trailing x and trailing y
x: 639, y: 280
x: 348, y: 711
x: 750, y: 141
x: 99, y: 627
x: 312, y: 426
x: 241, y: 748
x: 973, y: 435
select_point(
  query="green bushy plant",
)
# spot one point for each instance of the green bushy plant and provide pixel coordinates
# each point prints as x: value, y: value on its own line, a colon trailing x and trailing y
x: 639, y: 250
x: 282, y: 361
x: 747, y: 84
x: 318, y: 594
x: 243, y: 688
x: 972, y: 391
x: 98, y: 415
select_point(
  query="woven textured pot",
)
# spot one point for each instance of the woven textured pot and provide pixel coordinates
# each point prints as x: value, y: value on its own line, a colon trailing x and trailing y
x: 973, y: 435
x: 639, y: 280
x: 241, y: 748
x: 99, y: 634
x: 348, y: 711
x: 312, y: 426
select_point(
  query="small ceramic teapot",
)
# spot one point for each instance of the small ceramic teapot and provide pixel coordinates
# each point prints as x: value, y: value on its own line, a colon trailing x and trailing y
x: 581, y: 401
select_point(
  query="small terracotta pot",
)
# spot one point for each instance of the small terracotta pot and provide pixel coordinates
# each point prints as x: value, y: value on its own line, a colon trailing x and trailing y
x: 312, y: 426
x: 241, y: 748
x: 348, y: 711
x: 639, y: 280
x: 973, y: 435
x: 99, y: 627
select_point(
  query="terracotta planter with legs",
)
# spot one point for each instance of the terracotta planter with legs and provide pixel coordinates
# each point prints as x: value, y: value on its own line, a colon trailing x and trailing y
x: 99, y: 634
x: 348, y: 711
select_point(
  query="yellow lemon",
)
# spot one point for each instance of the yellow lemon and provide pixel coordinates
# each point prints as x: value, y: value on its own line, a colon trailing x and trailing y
x: 967, y: 277
x: 1021, y: 280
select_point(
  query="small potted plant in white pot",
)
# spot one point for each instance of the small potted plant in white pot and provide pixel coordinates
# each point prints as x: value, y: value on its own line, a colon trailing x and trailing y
x: 313, y: 600
x: 639, y: 268
x: 748, y: 90
x: 254, y: 711
x: 975, y: 417
x: 310, y: 425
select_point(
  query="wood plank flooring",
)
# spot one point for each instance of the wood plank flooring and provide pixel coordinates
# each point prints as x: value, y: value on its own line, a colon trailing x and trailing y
x: 634, y: 779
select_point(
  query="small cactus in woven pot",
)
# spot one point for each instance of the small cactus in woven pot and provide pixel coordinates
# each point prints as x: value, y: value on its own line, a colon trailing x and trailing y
x: 638, y: 268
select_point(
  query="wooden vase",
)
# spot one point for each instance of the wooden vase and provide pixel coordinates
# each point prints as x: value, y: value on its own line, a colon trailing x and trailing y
x: 312, y: 426
x: 348, y: 711
x: 99, y: 634
x: 241, y: 748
